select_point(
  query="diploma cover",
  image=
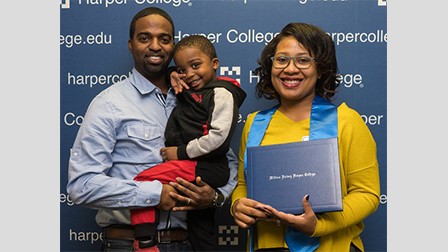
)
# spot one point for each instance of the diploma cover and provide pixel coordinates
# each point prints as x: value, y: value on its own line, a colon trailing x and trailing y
x: 281, y: 175
x: 323, y: 125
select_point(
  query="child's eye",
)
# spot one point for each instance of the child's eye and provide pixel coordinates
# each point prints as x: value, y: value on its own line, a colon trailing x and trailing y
x: 195, y: 65
x: 180, y: 71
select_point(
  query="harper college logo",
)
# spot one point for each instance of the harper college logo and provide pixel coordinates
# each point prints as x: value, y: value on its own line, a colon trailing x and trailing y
x: 231, y: 72
x: 65, y: 4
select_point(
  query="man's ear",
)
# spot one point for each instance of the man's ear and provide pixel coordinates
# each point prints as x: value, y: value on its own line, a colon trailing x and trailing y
x: 215, y: 62
x: 130, y: 45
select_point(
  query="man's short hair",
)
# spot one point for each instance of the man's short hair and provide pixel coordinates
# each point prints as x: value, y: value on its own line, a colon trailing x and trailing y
x: 146, y: 12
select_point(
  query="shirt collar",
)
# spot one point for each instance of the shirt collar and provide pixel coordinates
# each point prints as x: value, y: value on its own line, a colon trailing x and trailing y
x: 143, y: 85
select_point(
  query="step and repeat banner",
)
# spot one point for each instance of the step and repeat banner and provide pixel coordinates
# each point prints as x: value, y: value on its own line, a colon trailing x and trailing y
x: 94, y: 55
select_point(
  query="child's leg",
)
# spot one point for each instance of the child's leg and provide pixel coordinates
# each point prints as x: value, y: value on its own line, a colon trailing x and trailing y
x: 215, y: 173
x: 201, y: 229
x: 145, y: 220
x: 165, y: 173
x: 169, y: 171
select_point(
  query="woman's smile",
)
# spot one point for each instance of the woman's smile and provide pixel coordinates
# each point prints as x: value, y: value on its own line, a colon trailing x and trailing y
x: 291, y: 82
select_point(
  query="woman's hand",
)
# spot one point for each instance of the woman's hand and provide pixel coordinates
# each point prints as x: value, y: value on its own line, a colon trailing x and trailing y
x: 247, y: 212
x: 305, y: 223
x: 177, y: 83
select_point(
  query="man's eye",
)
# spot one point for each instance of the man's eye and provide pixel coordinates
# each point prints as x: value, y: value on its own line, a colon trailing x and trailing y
x: 165, y: 39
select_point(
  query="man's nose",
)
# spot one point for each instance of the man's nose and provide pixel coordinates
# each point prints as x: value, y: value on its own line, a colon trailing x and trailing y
x: 154, y: 45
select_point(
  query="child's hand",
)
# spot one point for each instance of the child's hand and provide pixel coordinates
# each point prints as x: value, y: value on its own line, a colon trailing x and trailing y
x: 168, y: 153
x: 177, y: 83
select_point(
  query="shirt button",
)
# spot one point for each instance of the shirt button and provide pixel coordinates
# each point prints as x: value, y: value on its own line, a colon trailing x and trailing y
x: 146, y: 135
x: 119, y: 202
x: 148, y: 201
x: 75, y: 154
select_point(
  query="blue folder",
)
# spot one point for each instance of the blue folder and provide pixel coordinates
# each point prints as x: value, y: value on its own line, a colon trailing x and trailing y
x: 281, y: 175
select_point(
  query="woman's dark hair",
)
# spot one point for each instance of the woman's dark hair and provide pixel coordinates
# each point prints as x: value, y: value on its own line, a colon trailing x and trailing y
x: 317, y: 42
x: 146, y: 12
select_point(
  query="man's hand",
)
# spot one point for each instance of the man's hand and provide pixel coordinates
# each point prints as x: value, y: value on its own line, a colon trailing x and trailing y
x: 199, y: 196
x: 169, y: 153
x: 177, y: 83
x: 167, y: 202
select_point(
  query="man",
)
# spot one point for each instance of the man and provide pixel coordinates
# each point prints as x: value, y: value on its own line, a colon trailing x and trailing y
x: 122, y: 134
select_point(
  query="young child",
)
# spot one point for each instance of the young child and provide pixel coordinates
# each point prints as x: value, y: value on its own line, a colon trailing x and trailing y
x: 198, y: 136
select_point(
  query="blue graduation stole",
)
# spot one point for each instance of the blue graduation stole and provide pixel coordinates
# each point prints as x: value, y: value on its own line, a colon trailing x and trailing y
x: 323, y: 124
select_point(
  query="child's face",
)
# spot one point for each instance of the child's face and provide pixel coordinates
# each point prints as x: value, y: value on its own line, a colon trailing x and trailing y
x: 197, y: 66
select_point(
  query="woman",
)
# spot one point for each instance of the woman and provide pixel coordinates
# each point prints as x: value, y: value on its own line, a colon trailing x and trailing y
x: 299, y: 68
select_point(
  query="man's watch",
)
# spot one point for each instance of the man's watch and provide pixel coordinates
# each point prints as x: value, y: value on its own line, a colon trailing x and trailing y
x: 219, y: 199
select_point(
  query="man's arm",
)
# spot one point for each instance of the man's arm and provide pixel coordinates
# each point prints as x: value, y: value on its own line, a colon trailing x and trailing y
x: 91, y: 159
x: 233, y: 178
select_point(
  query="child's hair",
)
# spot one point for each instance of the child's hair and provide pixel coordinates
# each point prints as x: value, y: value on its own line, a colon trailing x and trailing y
x: 315, y: 41
x: 198, y: 41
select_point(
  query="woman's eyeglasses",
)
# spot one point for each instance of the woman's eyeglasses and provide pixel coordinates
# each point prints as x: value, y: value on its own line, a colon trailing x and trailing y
x: 301, y: 62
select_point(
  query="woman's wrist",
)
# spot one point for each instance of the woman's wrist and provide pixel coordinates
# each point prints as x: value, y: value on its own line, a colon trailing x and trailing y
x: 233, y: 205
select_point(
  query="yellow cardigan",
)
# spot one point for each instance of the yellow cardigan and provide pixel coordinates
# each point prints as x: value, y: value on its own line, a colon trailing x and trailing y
x: 359, y: 180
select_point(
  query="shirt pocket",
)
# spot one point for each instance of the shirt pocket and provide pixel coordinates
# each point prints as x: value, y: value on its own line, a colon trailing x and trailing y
x: 143, y: 131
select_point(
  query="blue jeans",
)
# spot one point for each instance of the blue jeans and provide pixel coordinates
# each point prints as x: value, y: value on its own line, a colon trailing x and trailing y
x: 114, y: 245
x: 176, y: 246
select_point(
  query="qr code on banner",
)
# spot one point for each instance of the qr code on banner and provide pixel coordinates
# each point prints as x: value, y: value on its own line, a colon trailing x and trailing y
x: 228, y: 235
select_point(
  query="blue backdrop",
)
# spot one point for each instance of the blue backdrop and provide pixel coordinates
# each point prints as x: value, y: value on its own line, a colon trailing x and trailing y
x: 94, y: 55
